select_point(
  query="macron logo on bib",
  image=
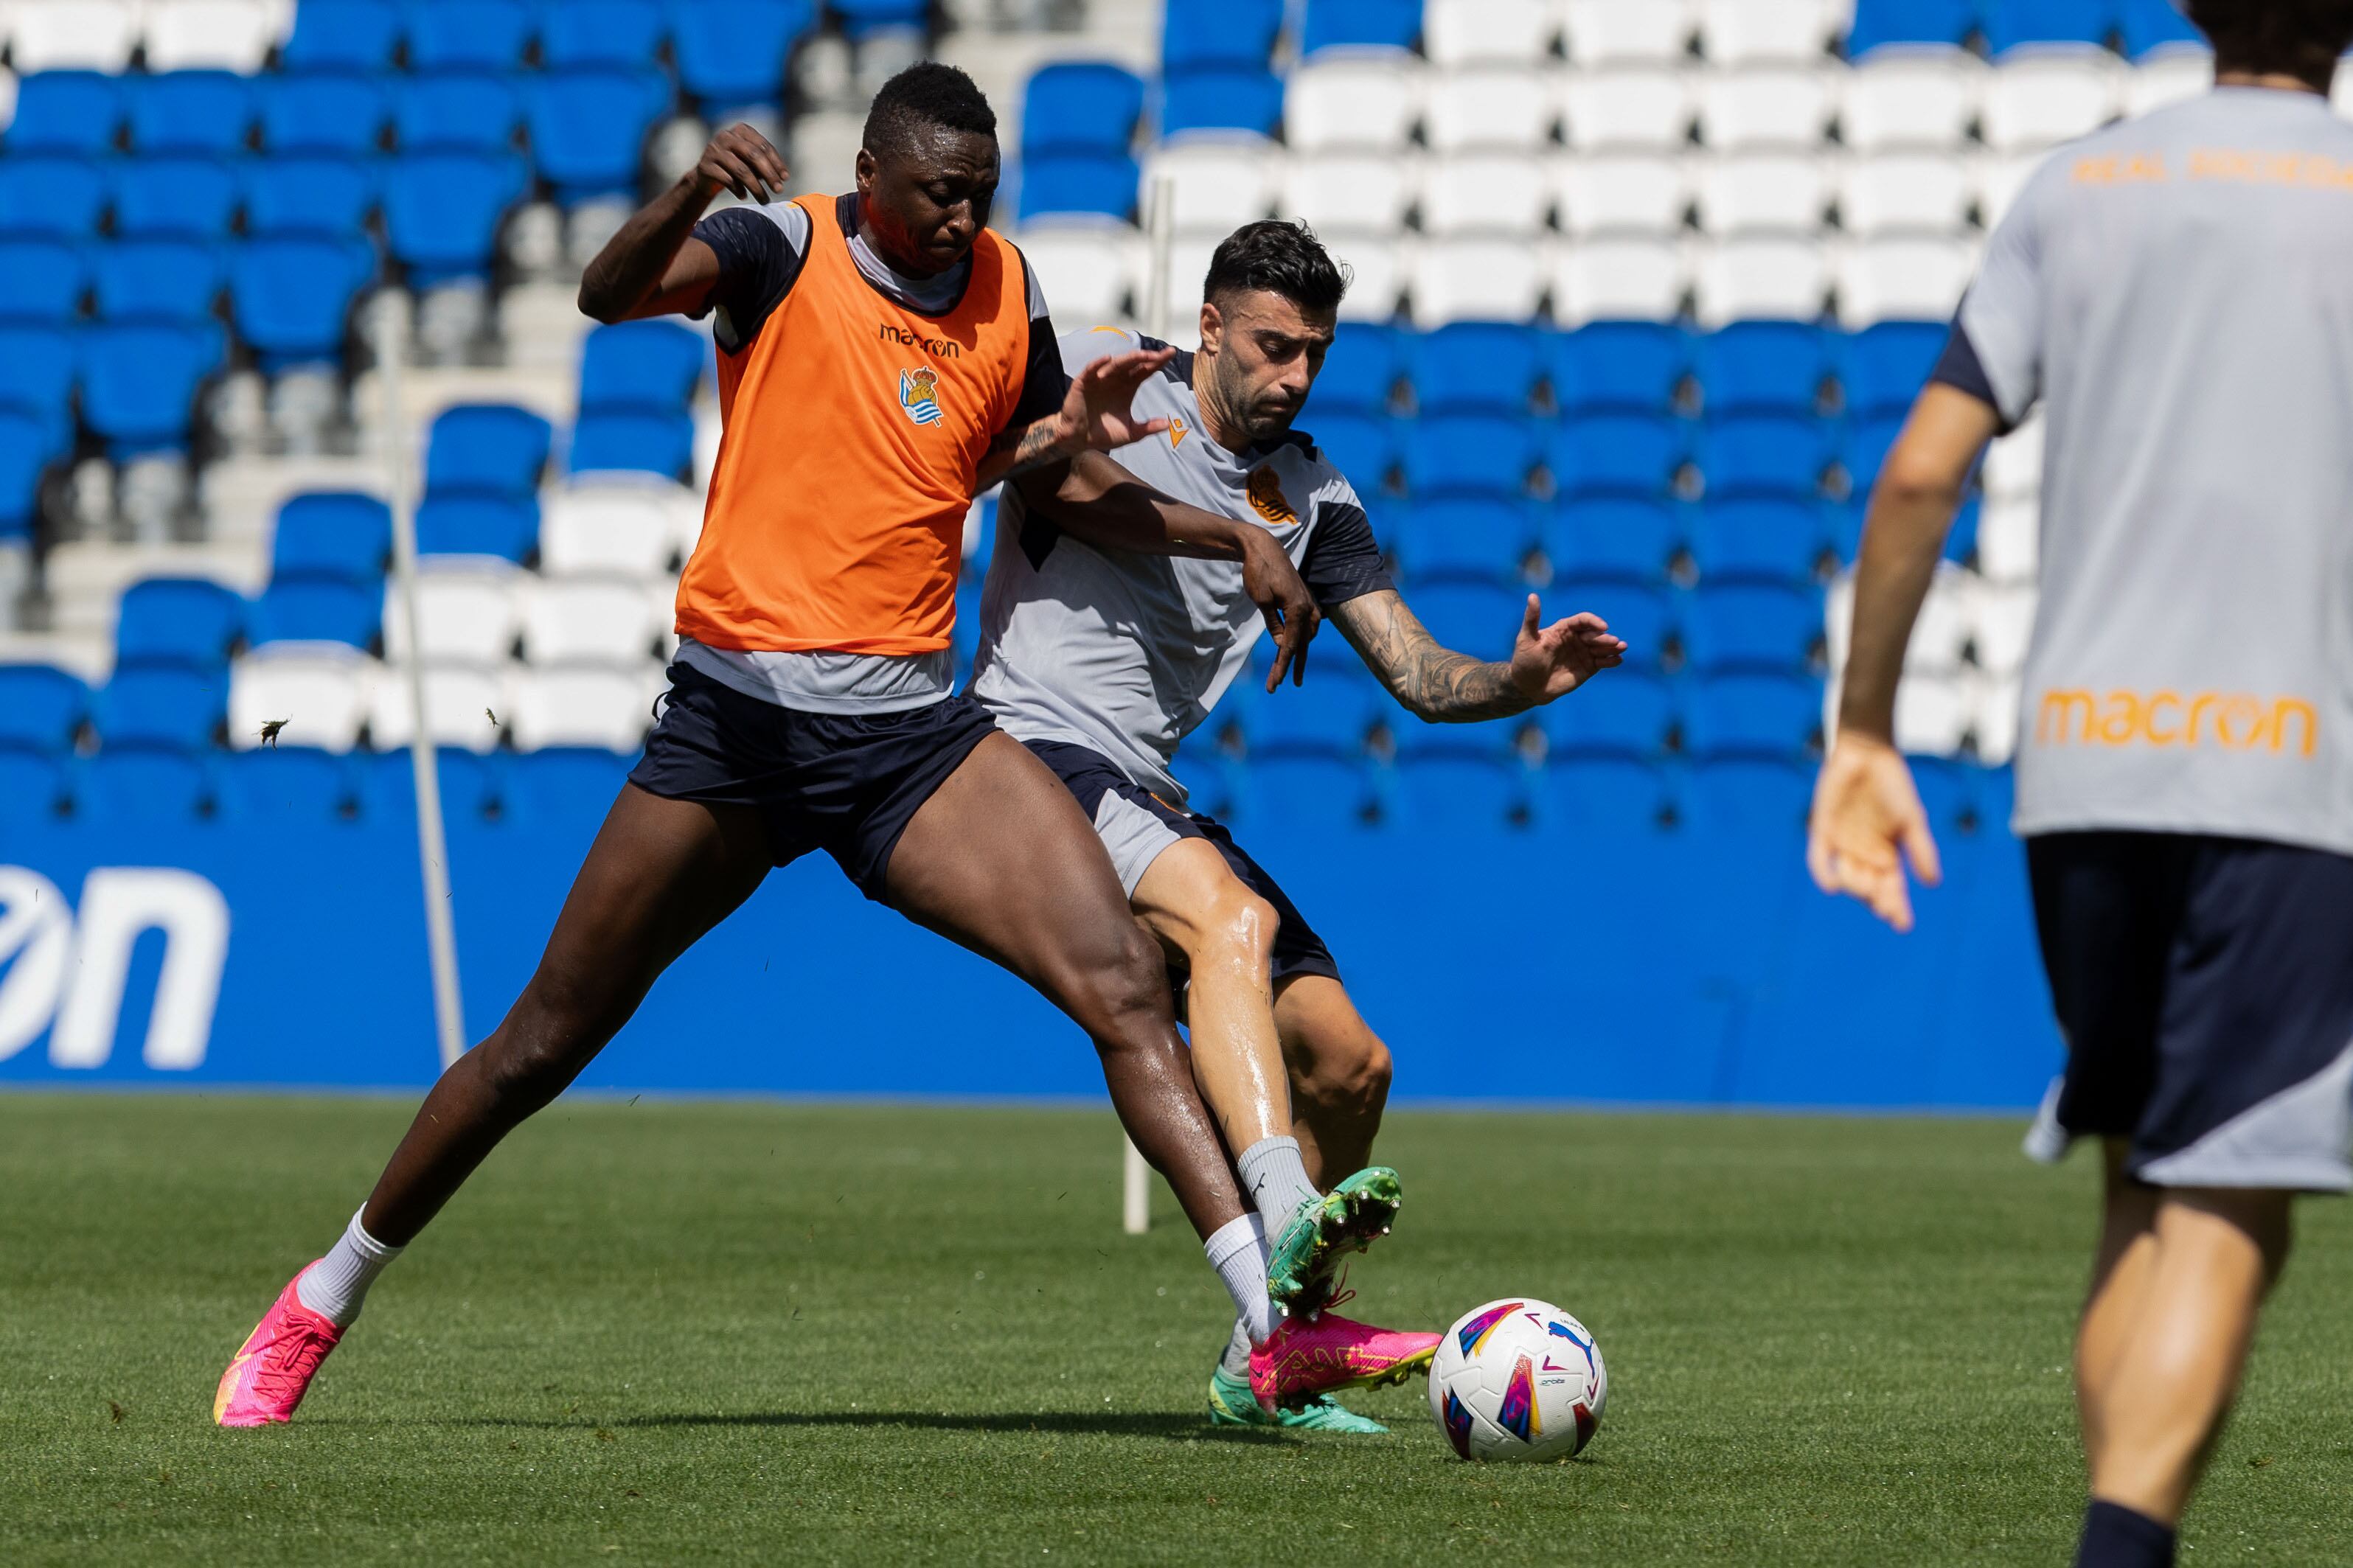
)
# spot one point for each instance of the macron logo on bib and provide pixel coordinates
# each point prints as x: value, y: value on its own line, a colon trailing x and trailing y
x: 919, y: 395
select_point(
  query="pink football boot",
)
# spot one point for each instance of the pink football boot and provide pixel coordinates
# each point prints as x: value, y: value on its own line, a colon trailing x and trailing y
x: 275, y: 1365
x: 1305, y: 1357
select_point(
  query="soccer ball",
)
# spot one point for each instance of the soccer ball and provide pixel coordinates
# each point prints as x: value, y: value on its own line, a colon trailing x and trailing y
x: 1517, y: 1379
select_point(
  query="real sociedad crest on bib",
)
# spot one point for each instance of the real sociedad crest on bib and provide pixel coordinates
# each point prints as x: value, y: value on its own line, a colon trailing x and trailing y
x: 919, y: 395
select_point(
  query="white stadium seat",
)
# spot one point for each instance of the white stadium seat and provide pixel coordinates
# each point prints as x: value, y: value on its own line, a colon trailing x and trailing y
x: 1188, y: 269
x: 1910, y: 98
x: 1933, y: 714
x: 2013, y: 463
x: 1350, y: 193
x: 609, y: 705
x: 1902, y: 280
x: 1761, y: 192
x: 1476, y: 32
x: 465, y: 705
x: 1616, y: 32
x: 7, y: 97
x: 1993, y: 720
x: 1509, y: 108
x: 1222, y: 179
x: 1088, y: 267
x: 1901, y: 192
x: 1485, y: 193
x: 1376, y: 276
x: 1766, y: 32
x: 1621, y: 195
x: 1613, y: 281
x: 617, y: 525
x: 1999, y: 177
x: 2342, y: 94
x: 1626, y: 110
x: 219, y: 35
x: 2038, y: 99
x: 73, y: 35
x: 2168, y: 78
x: 2001, y: 622
x: 1740, y: 111
x: 1363, y: 99
x: 467, y: 610
x: 1759, y: 280
x: 321, y: 690
x: 2010, y: 539
x: 1475, y: 280
x: 1939, y: 636
x: 601, y: 620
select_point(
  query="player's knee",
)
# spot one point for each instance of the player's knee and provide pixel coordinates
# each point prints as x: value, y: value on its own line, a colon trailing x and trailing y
x: 556, y: 1028
x: 1236, y: 927
x: 1123, y: 985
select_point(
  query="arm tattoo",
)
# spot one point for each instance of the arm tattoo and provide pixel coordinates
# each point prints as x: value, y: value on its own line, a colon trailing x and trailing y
x: 1432, y: 682
x: 1017, y: 452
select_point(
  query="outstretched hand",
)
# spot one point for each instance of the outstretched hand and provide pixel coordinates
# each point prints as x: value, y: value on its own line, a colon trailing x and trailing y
x: 1867, y: 823
x: 1554, y: 660
x: 1098, y: 413
x: 741, y: 160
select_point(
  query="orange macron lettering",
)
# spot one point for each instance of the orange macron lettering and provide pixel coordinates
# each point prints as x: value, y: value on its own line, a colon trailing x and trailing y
x: 2241, y: 721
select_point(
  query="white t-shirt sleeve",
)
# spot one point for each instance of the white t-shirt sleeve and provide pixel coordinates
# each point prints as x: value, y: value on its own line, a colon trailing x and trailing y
x: 2003, y: 314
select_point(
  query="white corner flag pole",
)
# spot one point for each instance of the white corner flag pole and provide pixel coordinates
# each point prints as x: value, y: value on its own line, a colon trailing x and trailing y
x: 432, y: 843
x: 1136, y: 1185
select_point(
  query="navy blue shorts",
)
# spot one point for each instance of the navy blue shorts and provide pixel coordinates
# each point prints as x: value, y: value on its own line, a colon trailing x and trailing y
x: 2205, y: 986
x: 1137, y: 825
x: 846, y: 784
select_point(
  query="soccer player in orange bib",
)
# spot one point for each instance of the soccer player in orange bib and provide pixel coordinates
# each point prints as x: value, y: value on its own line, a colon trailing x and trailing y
x: 882, y: 357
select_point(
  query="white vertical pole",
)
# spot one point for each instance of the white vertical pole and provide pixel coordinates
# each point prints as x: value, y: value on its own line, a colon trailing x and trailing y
x: 1136, y: 1183
x: 432, y: 843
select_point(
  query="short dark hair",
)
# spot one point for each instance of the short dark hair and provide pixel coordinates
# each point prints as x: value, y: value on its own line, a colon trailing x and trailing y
x: 2300, y: 37
x: 1282, y: 257
x: 926, y: 96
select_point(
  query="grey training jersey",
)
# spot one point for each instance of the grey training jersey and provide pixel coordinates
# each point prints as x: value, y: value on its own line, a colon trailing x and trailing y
x: 1124, y: 654
x: 2176, y: 292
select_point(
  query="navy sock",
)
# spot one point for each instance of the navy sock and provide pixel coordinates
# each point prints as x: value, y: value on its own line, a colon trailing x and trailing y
x: 2116, y: 1537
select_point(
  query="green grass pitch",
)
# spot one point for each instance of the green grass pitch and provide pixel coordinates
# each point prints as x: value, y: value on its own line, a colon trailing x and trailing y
x: 764, y: 1333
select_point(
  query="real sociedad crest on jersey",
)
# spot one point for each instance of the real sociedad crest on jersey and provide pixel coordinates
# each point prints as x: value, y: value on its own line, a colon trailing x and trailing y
x: 919, y: 395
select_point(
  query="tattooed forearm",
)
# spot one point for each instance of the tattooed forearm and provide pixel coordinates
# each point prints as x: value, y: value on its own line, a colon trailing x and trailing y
x: 1432, y: 682
x: 1016, y: 452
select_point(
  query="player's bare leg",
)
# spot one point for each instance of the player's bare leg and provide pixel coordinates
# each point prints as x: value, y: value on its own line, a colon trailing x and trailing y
x: 1339, y: 1073
x: 1192, y: 901
x: 2120, y: 1274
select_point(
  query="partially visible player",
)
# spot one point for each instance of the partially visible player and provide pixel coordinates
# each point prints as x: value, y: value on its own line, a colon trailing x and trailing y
x: 1104, y: 661
x: 2176, y: 293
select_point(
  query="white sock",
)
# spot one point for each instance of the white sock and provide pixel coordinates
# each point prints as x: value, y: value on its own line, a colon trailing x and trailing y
x: 336, y: 1285
x: 1238, y: 1349
x: 1275, y: 1177
x: 1238, y: 1252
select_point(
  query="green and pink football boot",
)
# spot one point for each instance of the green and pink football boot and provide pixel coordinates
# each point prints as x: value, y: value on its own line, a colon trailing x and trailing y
x: 1310, y: 1357
x: 1302, y: 1255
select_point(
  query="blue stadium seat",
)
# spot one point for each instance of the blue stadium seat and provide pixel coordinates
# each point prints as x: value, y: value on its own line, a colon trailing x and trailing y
x: 305, y: 611
x: 1474, y: 538
x: 2013, y: 23
x: 1886, y: 365
x: 28, y: 445
x: 1295, y: 796
x: 731, y: 53
x: 294, y: 786
x: 316, y: 196
x: 1235, y: 33
x: 1363, y: 446
x: 1360, y: 371
x: 1753, y: 627
x: 138, y: 383
x: 494, y: 448
x: 1221, y: 97
x: 1648, y: 619
x: 1617, y: 367
x: 1863, y: 447
x: 635, y: 440
x: 177, y: 620
x: 41, y: 281
x: 1764, y: 367
x: 1764, y: 455
x: 174, y: 198
x: 1879, y: 22
x: 292, y: 297
x: 178, y: 706
x: 1081, y: 106
x: 1753, y: 715
x: 1482, y: 619
x: 650, y: 366
x: 68, y: 111
x: 334, y: 116
x: 1760, y: 540
x: 1469, y: 454
x: 1755, y: 800
x: 1614, y: 453
x: 588, y: 129
x: 573, y: 786
x: 338, y: 535
x: 144, y: 784
x: 2147, y: 27
x: 42, y: 707
x: 1606, y: 538
x: 471, y: 785
x: 1476, y: 367
x: 624, y: 33
x: 1607, y: 797
x: 1391, y: 24
x: 347, y: 35
x: 1628, y: 712
x: 459, y: 112
x: 1079, y: 182
x: 478, y: 35
x: 462, y: 525
x: 205, y: 113
x: 156, y: 280
x: 32, y: 785
x: 1329, y: 716
x: 442, y: 212
x: 50, y: 198
x: 861, y: 17
x: 1454, y: 787
x: 36, y: 374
